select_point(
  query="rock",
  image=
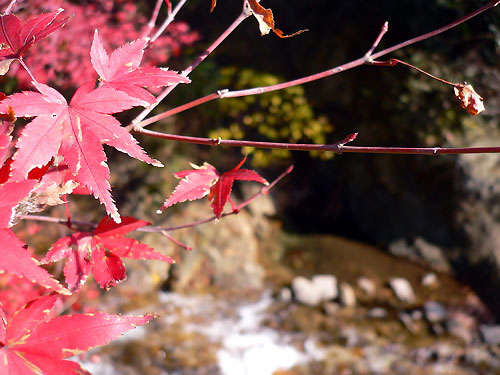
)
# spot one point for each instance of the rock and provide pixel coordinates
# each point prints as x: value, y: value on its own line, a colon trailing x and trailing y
x: 432, y: 255
x: 408, y: 322
x: 367, y: 285
x: 225, y: 255
x: 417, y: 315
x: 403, y: 290
x: 430, y: 280
x: 462, y: 325
x: 285, y: 295
x: 400, y: 248
x: 313, y: 292
x: 305, y: 292
x: 490, y: 334
x: 327, y: 285
x: 435, y: 312
x: 347, y: 296
x: 421, y: 251
x: 331, y: 308
x: 478, y: 212
x: 376, y: 313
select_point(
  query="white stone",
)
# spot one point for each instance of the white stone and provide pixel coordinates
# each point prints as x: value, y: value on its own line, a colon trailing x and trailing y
x: 312, y: 292
x: 429, y: 280
x: 403, y: 290
x: 347, y: 296
x: 326, y: 285
x: 435, y: 312
x: 305, y: 292
x: 490, y: 334
x: 376, y: 313
x: 285, y: 295
x: 367, y: 285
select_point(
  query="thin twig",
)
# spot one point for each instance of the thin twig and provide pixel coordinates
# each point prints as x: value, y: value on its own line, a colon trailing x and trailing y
x: 176, y: 241
x: 168, y: 21
x: 9, y: 7
x: 383, y: 30
x: 338, y: 147
x: 154, y: 17
x: 420, y: 38
x: 178, y: 109
x: 189, y: 69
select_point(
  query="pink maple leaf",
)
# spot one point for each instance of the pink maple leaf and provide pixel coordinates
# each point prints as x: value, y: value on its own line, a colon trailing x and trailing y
x: 100, y: 252
x: 16, y: 260
x: 19, y: 37
x: 206, y: 180
x: 34, y: 343
x: 5, y: 140
x: 121, y: 70
x: 75, y: 131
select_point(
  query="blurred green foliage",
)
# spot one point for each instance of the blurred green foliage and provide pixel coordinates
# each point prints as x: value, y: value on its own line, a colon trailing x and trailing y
x: 280, y: 116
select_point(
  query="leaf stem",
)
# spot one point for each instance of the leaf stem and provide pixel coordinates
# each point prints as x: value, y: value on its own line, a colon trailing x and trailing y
x: 394, y: 62
x: 21, y: 61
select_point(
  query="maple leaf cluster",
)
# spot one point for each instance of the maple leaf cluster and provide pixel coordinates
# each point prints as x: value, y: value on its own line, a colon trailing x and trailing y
x: 62, y: 58
x: 76, y: 131
x: 60, y: 152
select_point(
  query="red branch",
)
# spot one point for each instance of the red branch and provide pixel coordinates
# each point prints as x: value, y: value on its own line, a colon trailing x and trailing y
x: 135, y: 123
x: 368, y: 58
x: 338, y: 147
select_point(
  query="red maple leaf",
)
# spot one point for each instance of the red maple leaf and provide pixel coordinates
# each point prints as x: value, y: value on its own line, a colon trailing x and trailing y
x: 5, y: 139
x: 17, y: 37
x: 31, y: 343
x: 100, y: 252
x: 16, y: 260
x: 75, y: 131
x: 200, y: 181
x: 121, y: 70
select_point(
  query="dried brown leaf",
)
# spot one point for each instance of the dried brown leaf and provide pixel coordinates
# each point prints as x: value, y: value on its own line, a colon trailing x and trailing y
x: 469, y: 98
